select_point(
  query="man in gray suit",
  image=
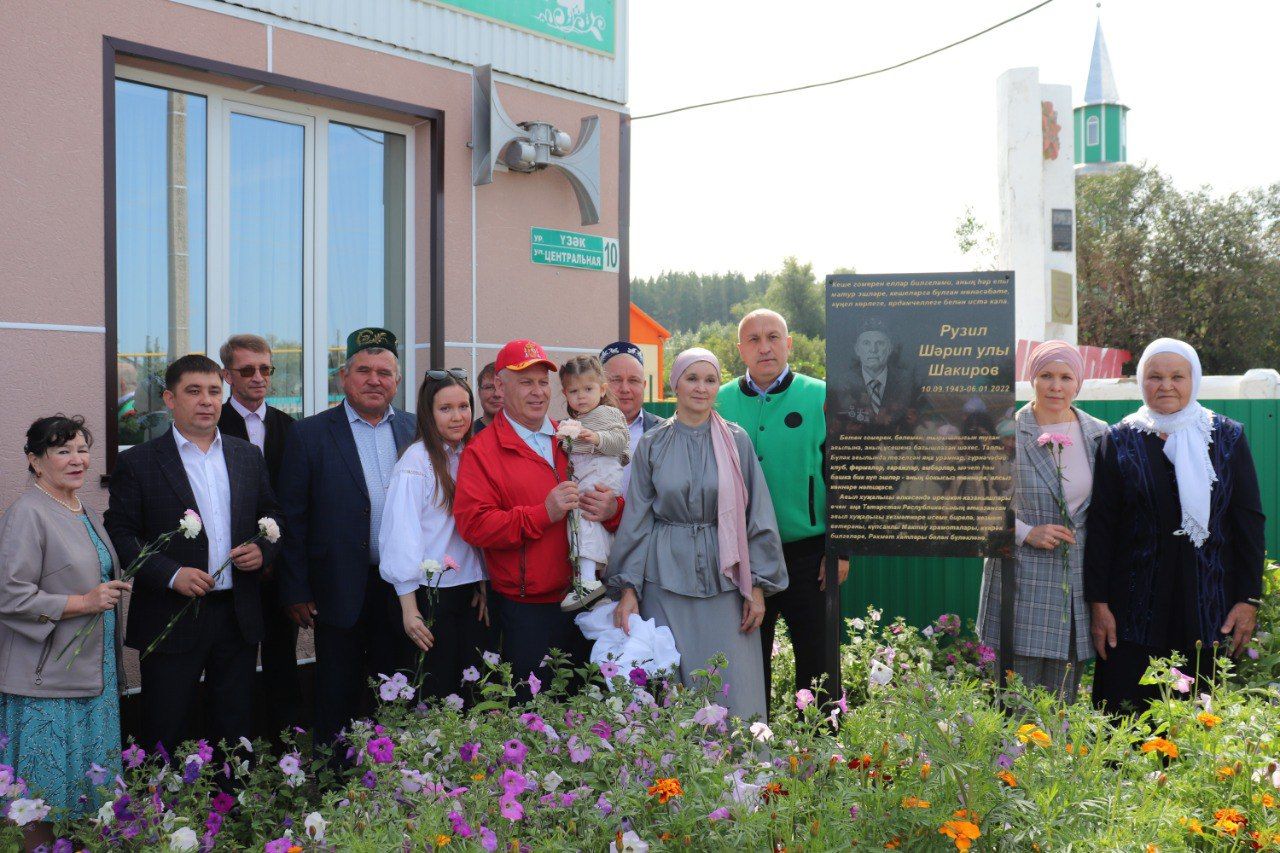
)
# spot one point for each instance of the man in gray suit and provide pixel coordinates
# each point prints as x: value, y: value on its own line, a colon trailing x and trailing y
x: 624, y: 369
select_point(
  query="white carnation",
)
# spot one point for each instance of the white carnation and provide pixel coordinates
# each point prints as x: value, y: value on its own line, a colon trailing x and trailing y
x: 269, y: 529
x: 569, y: 428
x: 191, y: 525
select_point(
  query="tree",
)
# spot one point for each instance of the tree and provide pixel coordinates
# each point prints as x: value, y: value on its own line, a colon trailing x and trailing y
x: 1156, y: 262
x: 795, y: 294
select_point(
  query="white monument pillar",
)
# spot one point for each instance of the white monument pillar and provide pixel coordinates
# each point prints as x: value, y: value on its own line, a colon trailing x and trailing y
x: 1038, y: 203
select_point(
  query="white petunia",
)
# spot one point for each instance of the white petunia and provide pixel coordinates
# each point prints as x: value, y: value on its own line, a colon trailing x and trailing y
x: 760, y: 731
x: 184, y: 840
x: 491, y: 658
x: 107, y: 814
x: 245, y: 742
x: 631, y: 843
x: 315, y: 825
x: 269, y: 529
x: 551, y: 781
x: 880, y: 674
x: 191, y: 525
x: 23, y: 812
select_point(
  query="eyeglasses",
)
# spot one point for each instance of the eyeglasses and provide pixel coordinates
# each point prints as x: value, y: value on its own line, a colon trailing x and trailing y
x: 455, y: 372
x: 248, y: 370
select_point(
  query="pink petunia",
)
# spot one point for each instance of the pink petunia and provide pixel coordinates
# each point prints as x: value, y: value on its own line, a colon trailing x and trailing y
x: 721, y: 813
x: 804, y: 698
x: 535, y: 684
x: 608, y: 669
x: 509, y: 808
x: 382, y: 750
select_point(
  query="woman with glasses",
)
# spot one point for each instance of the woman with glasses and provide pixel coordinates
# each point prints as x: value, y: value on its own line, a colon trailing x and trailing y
x: 439, y: 578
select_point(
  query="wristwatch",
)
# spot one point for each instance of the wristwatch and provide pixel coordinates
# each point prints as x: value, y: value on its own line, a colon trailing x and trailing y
x: 1256, y: 602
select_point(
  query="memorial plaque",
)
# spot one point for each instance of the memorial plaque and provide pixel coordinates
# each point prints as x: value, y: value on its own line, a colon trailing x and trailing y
x: 1062, y: 295
x: 920, y: 405
x: 1062, y: 224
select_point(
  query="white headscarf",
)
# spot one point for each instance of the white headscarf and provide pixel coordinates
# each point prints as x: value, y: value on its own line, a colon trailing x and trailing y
x: 1189, y: 432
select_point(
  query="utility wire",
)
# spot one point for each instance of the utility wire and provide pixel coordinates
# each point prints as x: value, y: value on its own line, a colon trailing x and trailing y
x: 905, y: 62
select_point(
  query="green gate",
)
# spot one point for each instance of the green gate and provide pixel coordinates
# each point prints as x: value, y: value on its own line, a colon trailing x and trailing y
x: 921, y: 588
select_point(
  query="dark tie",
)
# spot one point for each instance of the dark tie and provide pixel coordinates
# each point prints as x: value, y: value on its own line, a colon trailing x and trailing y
x: 874, y: 387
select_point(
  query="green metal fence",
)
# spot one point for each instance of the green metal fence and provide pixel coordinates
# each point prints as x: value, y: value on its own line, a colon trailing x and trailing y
x: 921, y: 588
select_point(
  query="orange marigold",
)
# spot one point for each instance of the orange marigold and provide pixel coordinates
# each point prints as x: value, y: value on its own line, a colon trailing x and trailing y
x: 1008, y: 778
x: 925, y: 770
x: 915, y: 803
x: 665, y: 789
x: 1208, y: 720
x: 1229, y: 821
x: 773, y: 791
x: 1225, y: 772
x: 1166, y: 748
x: 893, y: 843
x: 1193, y: 826
x: 1031, y: 733
x: 442, y: 840
x: 962, y: 832
x: 1268, y: 801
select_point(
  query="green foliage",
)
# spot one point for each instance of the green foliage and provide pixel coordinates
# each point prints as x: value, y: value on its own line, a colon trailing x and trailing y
x: 1154, y: 261
x: 795, y: 294
x: 681, y: 301
x: 808, y: 355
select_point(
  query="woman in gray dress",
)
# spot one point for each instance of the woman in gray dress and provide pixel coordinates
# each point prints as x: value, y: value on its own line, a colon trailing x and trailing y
x: 698, y: 547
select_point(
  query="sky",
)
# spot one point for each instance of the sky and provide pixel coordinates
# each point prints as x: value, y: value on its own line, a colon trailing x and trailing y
x: 876, y: 173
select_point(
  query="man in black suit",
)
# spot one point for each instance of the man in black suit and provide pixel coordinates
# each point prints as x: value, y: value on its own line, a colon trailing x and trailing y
x: 880, y: 394
x: 194, y: 467
x: 247, y: 367
x: 333, y: 485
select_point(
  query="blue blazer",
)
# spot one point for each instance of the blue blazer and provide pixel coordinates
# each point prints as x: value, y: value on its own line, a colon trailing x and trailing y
x: 325, y: 502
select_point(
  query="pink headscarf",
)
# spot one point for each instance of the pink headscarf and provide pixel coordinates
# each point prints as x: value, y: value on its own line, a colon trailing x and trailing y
x: 731, y: 497
x: 1051, y: 351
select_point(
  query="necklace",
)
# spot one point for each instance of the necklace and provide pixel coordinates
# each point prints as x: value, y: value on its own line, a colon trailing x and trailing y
x: 76, y: 509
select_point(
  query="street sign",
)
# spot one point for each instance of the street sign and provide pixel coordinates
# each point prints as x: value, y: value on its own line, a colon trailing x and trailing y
x: 552, y: 247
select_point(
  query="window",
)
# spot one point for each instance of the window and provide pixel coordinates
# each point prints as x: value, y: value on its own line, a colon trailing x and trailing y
x: 1091, y: 131
x: 238, y: 213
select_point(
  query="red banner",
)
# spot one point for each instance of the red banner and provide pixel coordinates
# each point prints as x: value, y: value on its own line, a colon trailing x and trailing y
x: 1099, y: 362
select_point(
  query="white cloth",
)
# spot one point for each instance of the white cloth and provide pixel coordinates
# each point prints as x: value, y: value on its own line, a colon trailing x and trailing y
x: 589, y: 469
x: 1189, y: 431
x: 207, y: 476
x: 636, y: 428
x: 415, y: 527
x: 255, y: 422
x: 648, y: 646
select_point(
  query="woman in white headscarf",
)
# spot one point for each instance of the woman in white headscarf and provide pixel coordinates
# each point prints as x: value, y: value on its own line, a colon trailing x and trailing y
x: 1176, y: 539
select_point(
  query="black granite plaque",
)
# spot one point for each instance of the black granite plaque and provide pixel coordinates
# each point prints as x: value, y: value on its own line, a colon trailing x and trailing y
x: 920, y: 404
x: 1062, y: 223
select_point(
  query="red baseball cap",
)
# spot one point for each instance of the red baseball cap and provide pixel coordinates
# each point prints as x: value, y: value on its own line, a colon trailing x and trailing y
x: 522, y: 353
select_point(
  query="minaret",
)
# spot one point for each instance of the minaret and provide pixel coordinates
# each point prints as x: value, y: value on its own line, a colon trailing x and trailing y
x: 1101, y: 136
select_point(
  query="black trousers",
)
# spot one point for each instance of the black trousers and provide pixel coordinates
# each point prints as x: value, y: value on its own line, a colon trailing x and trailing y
x: 460, y: 639
x: 803, y: 605
x: 528, y: 631
x: 1115, y: 680
x: 279, y: 696
x: 346, y: 658
x: 170, y: 681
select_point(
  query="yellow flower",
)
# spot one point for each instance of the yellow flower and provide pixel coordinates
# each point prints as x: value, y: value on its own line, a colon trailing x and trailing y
x: 1208, y: 720
x: 1165, y: 747
x: 1225, y: 772
x: 925, y: 770
x: 1193, y: 826
x: 1072, y: 749
x: 962, y: 832
x: 1031, y: 733
x: 915, y: 803
x: 1268, y: 801
x: 442, y: 840
x: 1008, y: 778
x: 477, y: 777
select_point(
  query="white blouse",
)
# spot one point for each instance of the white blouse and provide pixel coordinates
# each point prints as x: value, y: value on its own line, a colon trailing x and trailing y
x: 415, y: 527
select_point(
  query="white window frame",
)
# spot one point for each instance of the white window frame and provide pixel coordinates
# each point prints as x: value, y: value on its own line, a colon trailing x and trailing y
x: 1092, y: 131
x: 221, y: 103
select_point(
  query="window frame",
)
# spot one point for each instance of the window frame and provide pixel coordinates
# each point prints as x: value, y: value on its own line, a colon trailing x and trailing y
x: 1092, y: 131
x: 221, y: 103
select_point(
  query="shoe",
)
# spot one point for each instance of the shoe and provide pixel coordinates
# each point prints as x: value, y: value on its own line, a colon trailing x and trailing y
x: 593, y: 591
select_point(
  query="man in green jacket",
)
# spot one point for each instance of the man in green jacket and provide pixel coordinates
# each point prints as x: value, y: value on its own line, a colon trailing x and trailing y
x: 783, y: 413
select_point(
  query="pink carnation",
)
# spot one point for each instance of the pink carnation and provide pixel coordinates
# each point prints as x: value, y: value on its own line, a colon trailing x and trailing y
x: 1055, y: 438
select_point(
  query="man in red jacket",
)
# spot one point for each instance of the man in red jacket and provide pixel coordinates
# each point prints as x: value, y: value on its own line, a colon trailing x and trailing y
x: 512, y: 496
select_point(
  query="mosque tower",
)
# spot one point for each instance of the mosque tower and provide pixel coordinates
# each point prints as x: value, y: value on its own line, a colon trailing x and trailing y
x: 1101, y: 133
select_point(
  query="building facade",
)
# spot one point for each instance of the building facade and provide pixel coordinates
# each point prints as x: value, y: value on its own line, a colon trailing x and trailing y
x: 177, y: 171
x: 1101, y: 122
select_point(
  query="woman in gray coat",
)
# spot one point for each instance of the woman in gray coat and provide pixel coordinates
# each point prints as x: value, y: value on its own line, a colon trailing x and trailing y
x: 698, y: 548
x: 57, y: 570
x: 1050, y: 635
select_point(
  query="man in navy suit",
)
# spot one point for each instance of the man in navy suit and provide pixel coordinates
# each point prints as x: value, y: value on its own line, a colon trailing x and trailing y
x: 333, y: 484
x: 193, y: 466
x: 247, y: 368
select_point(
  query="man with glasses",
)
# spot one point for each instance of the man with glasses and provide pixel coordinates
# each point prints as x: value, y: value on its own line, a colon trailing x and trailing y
x: 333, y: 487
x: 624, y: 369
x: 247, y: 368
x: 490, y: 390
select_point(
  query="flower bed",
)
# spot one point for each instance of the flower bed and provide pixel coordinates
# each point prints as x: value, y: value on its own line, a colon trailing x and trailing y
x: 916, y: 755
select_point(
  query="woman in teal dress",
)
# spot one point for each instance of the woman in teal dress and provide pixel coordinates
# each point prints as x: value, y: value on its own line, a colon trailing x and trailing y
x: 61, y: 714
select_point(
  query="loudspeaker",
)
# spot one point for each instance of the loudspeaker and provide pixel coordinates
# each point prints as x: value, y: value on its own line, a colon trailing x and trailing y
x: 532, y: 146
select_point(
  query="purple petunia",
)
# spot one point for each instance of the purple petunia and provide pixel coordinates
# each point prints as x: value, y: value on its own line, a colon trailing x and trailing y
x: 133, y: 756
x: 468, y: 752
x: 721, y: 813
x: 369, y: 780
x: 488, y: 839
x: 533, y: 722
x: 578, y: 751
x: 605, y: 807
x: 514, y: 752
x: 213, y: 823
x: 639, y: 677
x: 223, y: 802
x: 97, y: 774
x: 191, y: 772
x: 279, y: 845
x: 602, y: 729
x: 382, y: 749
x: 459, y: 825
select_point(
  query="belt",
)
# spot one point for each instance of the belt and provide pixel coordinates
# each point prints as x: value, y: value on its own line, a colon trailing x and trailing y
x: 695, y: 526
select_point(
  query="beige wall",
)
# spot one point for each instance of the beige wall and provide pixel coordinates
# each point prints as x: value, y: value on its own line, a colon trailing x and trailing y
x: 51, y: 199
